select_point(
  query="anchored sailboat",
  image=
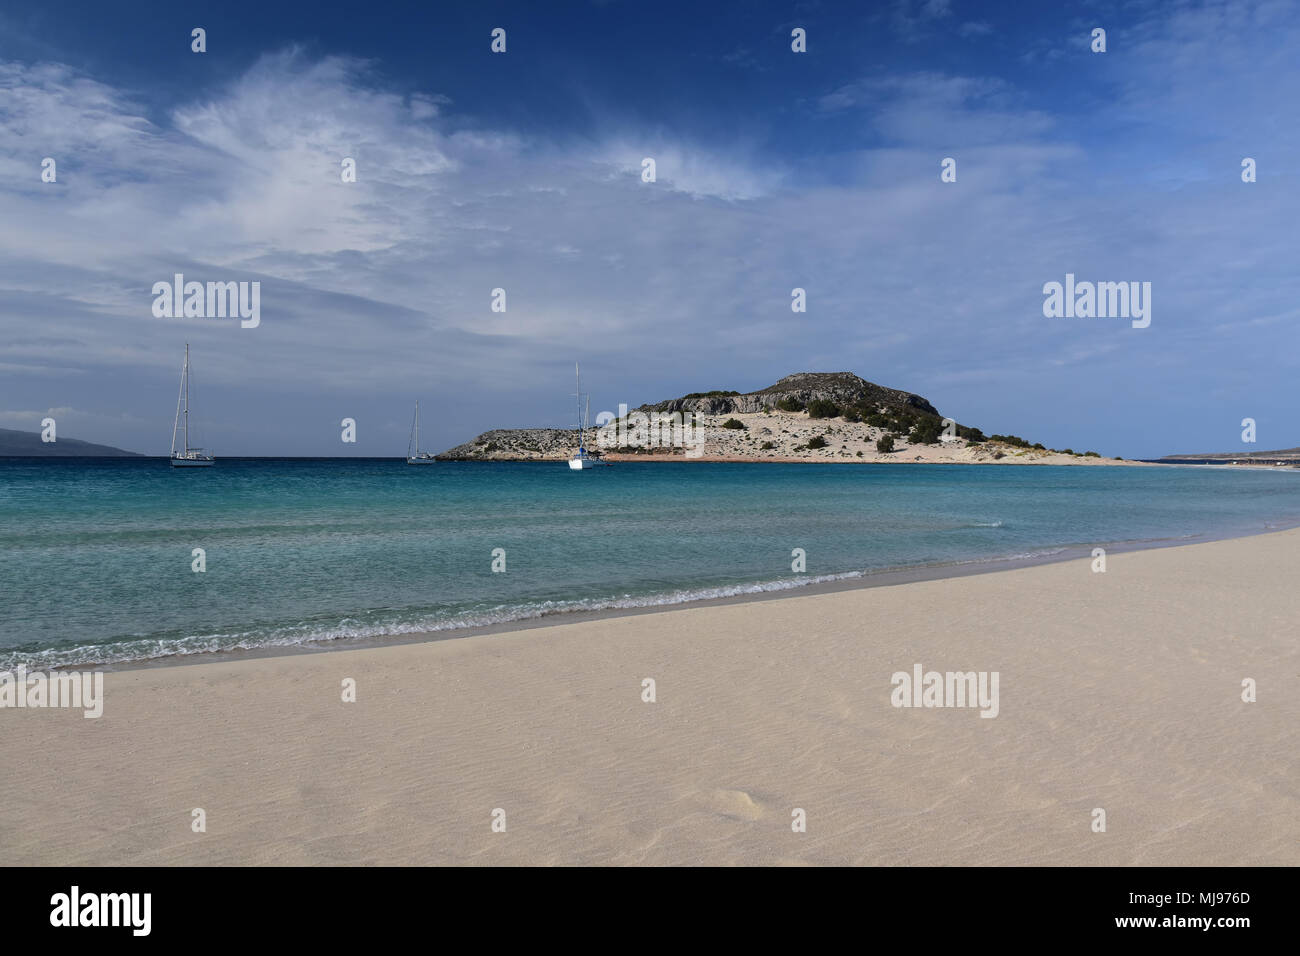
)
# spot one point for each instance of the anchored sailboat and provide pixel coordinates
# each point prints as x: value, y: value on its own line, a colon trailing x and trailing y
x: 413, y: 454
x: 583, y: 459
x: 187, y: 457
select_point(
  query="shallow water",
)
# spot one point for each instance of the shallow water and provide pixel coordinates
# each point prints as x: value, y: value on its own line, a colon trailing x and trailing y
x: 96, y: 554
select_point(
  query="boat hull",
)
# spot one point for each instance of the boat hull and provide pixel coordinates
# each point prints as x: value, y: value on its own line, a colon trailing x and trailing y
x: 421, y: 461
x: 578, y: 464
x: 193, y: 462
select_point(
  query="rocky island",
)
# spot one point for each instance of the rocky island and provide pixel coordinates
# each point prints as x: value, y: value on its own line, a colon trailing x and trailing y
x: 808, y: 416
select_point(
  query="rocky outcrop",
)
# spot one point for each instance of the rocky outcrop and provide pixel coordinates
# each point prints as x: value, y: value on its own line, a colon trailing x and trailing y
x: 766, y: 427
x: 516, y: 444
x: 842, y: 388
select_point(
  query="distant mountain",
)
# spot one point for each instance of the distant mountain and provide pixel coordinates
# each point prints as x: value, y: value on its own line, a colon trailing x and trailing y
x: 16, y: 444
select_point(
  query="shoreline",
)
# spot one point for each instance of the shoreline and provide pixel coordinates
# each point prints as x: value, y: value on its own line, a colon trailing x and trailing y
x: 1120, y: 691
x: 704, y: 459
x: 843, y: 581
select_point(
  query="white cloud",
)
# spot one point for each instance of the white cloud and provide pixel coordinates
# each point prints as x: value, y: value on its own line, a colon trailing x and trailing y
x: 378, y: 291
x: 931, y: 109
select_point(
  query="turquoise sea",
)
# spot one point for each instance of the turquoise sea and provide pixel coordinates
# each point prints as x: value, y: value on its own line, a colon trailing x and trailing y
x: 96, y: 554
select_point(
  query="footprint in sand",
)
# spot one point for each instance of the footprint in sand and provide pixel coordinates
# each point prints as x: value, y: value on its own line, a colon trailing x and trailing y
x: 736, y: 804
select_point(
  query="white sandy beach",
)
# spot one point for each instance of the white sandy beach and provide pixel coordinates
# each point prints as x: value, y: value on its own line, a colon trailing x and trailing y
x: 1119, y: 690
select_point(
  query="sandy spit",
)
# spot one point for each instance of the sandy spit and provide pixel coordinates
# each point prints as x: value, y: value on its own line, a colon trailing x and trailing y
x: 1120, y: 691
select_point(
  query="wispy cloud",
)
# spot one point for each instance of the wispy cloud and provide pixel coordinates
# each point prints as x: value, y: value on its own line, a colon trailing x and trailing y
x: 377, y: 291
x: 912, y: 19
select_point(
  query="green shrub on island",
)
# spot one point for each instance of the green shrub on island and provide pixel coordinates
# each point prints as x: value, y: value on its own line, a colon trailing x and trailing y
x: 823, y: 408
x: 877, y: 420
x: 1011, y: 440
x: 790, y: 405
x: 885, y: 444
x: 926, y: 431
x: 970, y: 434
x: 817, y: 442
x: 1091, y: 454
x: 1067, y: 451
x: 767, y: 445
x: 716, y: 393
x: 733, y: 423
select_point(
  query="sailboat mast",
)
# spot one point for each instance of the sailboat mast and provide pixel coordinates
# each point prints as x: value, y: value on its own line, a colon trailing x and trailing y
x: 417, y: 428
x: 577, y: 384
x: 176, y: 419
x: 187, y: 399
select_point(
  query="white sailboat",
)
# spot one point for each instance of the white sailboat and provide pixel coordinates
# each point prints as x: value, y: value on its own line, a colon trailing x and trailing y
x: 187, y: 457
x: 583, y: 459
x: 413, y: 454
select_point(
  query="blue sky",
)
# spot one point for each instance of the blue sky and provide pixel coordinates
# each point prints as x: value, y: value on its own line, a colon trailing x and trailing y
x: 522, y: 171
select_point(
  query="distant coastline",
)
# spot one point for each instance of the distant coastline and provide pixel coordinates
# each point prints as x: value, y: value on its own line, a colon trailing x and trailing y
x: 20, y: 444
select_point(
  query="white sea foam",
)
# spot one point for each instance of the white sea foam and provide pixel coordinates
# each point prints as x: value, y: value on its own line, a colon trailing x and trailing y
x: 313, y: 633
x: 127, y: 651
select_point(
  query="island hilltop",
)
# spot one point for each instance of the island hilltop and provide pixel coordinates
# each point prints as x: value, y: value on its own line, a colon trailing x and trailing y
x: 808, y: 416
